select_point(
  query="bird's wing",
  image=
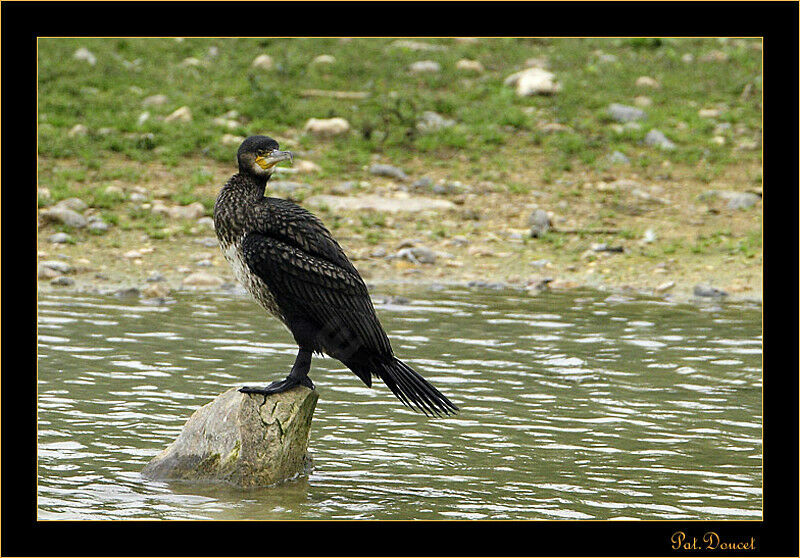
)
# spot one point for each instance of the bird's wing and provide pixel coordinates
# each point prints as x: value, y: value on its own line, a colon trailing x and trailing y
x: 333, y: 297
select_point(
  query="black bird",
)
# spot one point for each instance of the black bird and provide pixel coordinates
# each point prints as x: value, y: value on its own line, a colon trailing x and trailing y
x: 289, y: 262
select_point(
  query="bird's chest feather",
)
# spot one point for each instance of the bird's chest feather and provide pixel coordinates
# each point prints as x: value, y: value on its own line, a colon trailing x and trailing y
x: 257, y: 288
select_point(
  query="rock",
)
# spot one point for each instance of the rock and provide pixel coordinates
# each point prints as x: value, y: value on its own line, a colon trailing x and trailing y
x: 75, y: 204
x: 228, y: 123
x: 664, y: 287
x: 98, y: 226
x: 262, y: 62
x: 305, y: 167
x: 78, y: 130
x: 202, y: 279
x: 378, y: 203
x: 182, y: 114
x: 156, y: 290
x: 190, y: 62
x: 625, y: 113
x: 431, y: 122
x: 714, y: 56
x: 326, y: 127
x: 192, y: 211
x: 56, y: 265
x: 155, y: 277
x: 286, y: 187
x: 59, y: 238
x: 708, y: 113
x: 418, y: 254
x: 649, y: 236
x: 642, y: 101
x: 425, y: 66
x: 64, y: 216
x: 646, y: 81
x: 539, y: 222
x: 127, y: 292
x: 655, y: 138
x: 206, y: 222
x: 86, y: 55
x: 423, y: 183
x: 606, y: 58
x: 388, y: 171
x: 62, y: 281
x: 603, y: 247
x: 230, y: 139
x: 708, y: 291
x: 618, y: 158
x: 469, y: 66
x: 154, y: 101
x: 738, y: 200
x: 324, y: 59
x: 533, y: 81
x: 242, y: 439
x: 416, y: 45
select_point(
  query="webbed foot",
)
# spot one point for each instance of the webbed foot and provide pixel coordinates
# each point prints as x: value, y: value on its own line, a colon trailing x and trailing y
x: 280, y: 386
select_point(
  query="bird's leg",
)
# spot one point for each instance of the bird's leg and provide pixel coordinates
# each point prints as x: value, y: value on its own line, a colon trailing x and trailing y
x: 298, y: 376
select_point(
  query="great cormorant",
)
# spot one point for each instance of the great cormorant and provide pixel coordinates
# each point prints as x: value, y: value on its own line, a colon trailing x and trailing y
x: 289, y: 262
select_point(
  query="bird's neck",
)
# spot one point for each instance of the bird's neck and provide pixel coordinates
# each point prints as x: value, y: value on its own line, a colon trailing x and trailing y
x: 252, y: 185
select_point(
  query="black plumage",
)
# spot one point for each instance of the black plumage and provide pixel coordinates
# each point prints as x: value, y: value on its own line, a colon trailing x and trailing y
x: 291, y: 264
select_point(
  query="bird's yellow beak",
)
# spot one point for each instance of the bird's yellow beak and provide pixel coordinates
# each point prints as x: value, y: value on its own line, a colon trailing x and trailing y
x: 273, y: 158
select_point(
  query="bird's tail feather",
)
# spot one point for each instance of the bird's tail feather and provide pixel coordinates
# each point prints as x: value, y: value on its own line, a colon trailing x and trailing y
x: 412, y: 389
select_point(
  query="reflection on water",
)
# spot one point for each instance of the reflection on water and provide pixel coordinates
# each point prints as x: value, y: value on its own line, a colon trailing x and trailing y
x: 573, y: 406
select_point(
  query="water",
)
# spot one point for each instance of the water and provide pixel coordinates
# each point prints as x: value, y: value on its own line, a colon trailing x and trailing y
x: 573, y: 406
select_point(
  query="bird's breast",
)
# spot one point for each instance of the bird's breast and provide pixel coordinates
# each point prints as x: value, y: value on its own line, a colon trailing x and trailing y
x: 252, y: 283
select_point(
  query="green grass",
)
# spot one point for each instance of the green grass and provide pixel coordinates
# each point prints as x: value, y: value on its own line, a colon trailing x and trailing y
x: 109, y: 95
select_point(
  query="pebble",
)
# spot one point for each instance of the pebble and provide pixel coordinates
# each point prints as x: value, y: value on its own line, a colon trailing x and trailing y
x: 183, y: 114
x: 155, y: 277
x: 286, y: 187
x: 192, y: 211
x: 708, y: 291
x: 207, y: 222
x: 603, y: 247
x: 416, y: 45
x: 425, y: 66
x: 56, y: 265
x: 62, y: 281
x: 470, y: 66
x: 423, y: 183
x: 98, y: 226
x: 642, y: 101
x: 59, y: 238
x: 539, y: 223
x: 202, y: 279
x: 646, y: 81
x: 656, y: 138
x: 324, y: 59
x: 388, y: 171
x: 326, y: 127
x: 618, y: 158
x: 155, y: 101
x: 664, y: 287
x: 78, y: 130
x: 208, y: 241
x: 431, y: 122
x: 190, y: 62
x: 230, y: 139
x: 649, y: 236
x: 156, y: 290
x: 86, y: 55
x: 64, y: 216
x: 262, y: 62
x: 709, y: 113
x: 128, y: 292
x: 418, y: 254
x: 533, y: 81
x: 305, y: 167
x: 625, y: 113
x: 736, y: 200
x: 687, y: 58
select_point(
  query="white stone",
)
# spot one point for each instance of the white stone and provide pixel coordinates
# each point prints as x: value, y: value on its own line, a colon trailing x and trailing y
x: 470, y: 66
x: 646, y: 81
x: 533, y: 81
x: 324, y: 59
x: 327, y: 127
x: 263, y: 62
x: 425, y: 66
x: 85, y: 54
x: 182, y: 114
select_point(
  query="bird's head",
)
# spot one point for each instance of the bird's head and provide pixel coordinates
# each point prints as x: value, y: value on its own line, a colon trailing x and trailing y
x: 258, y: 156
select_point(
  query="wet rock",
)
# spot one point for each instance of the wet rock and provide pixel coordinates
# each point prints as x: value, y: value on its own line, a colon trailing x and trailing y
x: 379, y: 203
x: 262, y: 62
x: 425, y: 66
x: 539, y: 223
x: 127, y: 292
x: 432, y: 122
x: 708, y: 291
x: 63, y: 215
x: 388, y: 171
x: 625, y: 113
x: 183, y: 114
x: 656, y: 138
x: 470, y: 66
x: 202, y: 279
x: 326, y: 127
x: 86, y: 55
x: 533, y: 81
x: 62, y: 281
x: 242, y: 439
x: 59, y: 238
x: 646, y: 81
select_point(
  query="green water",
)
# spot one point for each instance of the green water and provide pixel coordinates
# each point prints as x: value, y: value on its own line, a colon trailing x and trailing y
x: 579, y: 405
